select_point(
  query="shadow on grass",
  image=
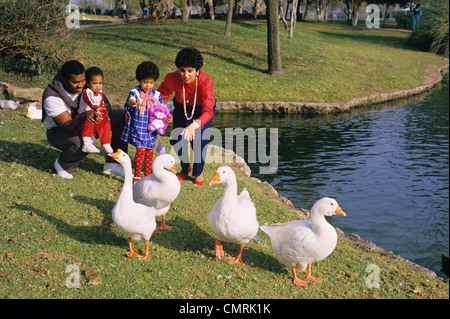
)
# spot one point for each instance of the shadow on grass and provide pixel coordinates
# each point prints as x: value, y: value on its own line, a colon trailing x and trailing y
x: 100, y: 234
x: 41, y: 156
x: 188, y: 236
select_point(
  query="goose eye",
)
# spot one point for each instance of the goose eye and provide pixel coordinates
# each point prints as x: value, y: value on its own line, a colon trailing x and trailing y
x: 331, y: 204
x: 223, y: 172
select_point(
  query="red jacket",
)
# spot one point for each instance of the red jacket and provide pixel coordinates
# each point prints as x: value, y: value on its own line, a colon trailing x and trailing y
x: 205, y: 93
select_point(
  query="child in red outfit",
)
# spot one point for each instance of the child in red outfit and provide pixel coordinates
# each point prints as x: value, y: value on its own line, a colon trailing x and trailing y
x: 92, y: 99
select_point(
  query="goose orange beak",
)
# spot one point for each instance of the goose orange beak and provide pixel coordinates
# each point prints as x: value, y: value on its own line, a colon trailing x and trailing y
x: 116, y: 154
x: 339, y: 211
x: 215, y: 179
x: 173, y: 170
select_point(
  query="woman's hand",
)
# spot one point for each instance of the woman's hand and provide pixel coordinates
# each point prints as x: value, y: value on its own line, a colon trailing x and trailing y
x: 189, y: 132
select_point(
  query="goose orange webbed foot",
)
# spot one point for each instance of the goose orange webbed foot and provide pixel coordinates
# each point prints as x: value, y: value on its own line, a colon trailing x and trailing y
x: 311, y: 278
x: 218, y: 249
x: 132, y: 251
x: 163, y: 224
x: 146, y: 257
x: 238, y: 258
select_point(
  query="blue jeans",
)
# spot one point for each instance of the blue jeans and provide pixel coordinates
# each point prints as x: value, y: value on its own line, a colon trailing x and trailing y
x: 416, y: 20
x: 198, y: 146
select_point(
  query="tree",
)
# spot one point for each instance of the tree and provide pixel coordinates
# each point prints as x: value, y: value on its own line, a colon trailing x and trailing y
x: 185, y: 9
x: 293, y: 18
x: 229, y: 18
x: 273, y: 38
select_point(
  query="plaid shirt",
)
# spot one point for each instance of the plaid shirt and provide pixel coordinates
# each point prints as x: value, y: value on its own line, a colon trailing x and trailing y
x: 136, y: 130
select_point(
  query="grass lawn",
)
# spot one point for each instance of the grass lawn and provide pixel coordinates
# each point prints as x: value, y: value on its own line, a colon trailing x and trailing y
x: 48, y: 224
x: 324, y: 62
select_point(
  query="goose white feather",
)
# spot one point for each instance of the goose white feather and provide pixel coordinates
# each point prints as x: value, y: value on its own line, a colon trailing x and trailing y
x: 160, y: 189
x: 135, y: 220
x: 299, y: 243
x: 34, y: 113
x: 233, y: 217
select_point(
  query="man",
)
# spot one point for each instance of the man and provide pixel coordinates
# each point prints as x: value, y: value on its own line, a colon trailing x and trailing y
x: 59, y: 108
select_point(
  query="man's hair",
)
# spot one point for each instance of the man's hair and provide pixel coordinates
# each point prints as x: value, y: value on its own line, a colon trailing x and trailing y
x: 147, y: 70
x: 71, y: 67
x: 92, y: 71
x: 189, y: 57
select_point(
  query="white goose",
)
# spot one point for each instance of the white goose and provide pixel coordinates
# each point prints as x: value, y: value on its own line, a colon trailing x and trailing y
x: 136, y: 221
x: 34, y: 113
x: 298, y: 243
x: 160, y: 189
x: 233, y: 217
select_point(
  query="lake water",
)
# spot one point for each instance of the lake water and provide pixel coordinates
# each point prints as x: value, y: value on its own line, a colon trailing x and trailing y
x: 387, y: 166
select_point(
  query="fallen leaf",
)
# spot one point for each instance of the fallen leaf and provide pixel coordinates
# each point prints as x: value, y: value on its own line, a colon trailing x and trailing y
x: 45, y: 256
x: 17, y: 202
x: 4, y: 274
x: 91, y: 272
x: 44, y: 226
x: 49, y: 285
x: 9, y: 255
x: 94, y: 281
x: 12, y: 239
x: 47, y: 238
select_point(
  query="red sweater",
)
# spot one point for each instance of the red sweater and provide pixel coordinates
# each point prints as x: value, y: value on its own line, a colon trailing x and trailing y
x: 205, y: 93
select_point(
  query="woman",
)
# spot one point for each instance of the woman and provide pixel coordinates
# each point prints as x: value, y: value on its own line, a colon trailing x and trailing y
x: 194, y: 107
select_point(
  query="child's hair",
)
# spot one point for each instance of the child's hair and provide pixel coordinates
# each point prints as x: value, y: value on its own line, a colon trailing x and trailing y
x: 146, y: 70
x: 92, y: 71
x: 189, y: 57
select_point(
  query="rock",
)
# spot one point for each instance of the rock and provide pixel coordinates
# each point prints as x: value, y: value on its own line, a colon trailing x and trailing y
x: 22, y: 94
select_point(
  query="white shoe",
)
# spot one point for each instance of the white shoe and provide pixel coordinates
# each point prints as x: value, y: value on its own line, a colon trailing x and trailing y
x: 113, y: 168
x: 61, y: 172
x: 108, y: 149
x: 90, y: 149
x: 89, y: 145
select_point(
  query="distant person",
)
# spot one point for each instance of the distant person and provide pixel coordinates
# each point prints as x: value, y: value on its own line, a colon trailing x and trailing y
x: 60, y: 102
x: 92, y: 99
x: 194, y: 107
x: 124, y: 12
x: 417, y: 12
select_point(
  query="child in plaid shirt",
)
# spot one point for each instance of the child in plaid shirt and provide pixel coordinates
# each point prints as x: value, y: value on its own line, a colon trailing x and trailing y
x: 140, y: 100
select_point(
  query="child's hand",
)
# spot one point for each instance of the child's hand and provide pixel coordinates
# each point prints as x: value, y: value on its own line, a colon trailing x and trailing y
x: 133, y: 103
x: 168, y: 120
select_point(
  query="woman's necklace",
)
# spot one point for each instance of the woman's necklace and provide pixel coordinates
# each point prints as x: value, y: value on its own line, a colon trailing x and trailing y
x: 195, y: 100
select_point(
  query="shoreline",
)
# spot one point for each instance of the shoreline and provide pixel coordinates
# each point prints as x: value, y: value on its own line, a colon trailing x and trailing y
x: 303, y: 213
x: 433, y: 78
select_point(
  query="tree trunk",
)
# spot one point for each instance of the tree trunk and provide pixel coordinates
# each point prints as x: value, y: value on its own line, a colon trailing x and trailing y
x: 293, y: 18
x: 211, y: 9
x: 229, y: 18
x: 355, y: 15
x: 184, y: 11
x: 319, y: 10
x: 273, y: 38
x: 283, y: 15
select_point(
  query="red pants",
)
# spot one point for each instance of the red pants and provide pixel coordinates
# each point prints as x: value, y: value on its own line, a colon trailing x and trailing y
x: 103, y: 129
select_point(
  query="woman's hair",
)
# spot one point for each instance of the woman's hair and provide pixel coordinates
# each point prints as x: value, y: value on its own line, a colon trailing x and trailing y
x: 146, y: 70
x: 71, y: 67
x: 189, y: 57
x: 92, y: 71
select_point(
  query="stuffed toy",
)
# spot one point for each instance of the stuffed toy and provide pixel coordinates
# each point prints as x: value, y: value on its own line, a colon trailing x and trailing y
x: 158, y: 113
